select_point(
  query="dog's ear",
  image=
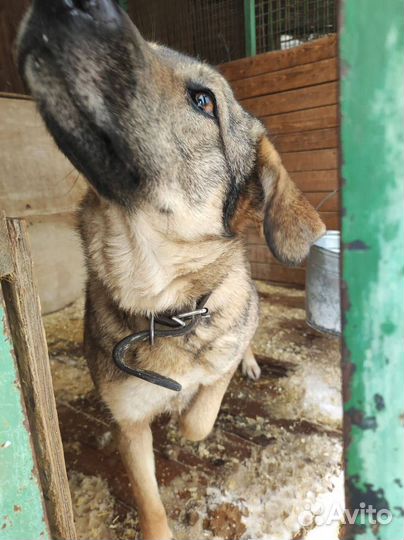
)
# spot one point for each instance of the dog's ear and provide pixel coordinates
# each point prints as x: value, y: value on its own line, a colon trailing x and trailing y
x: 291, y: 224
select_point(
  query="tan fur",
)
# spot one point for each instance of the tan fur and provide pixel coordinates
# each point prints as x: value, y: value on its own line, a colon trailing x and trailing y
x: 291, y: 224
x: 197, y: 421
x: 203, y: 363
x: 136, y: 447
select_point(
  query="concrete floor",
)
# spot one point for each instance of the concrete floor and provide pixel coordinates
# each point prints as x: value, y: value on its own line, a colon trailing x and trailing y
x: 271, y: 469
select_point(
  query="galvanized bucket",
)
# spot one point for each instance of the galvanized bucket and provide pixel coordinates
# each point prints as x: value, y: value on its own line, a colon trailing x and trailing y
x: 323, y: 301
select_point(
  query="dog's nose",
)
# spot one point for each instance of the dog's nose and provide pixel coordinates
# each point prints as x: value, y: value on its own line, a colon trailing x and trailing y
x: 103, y: 11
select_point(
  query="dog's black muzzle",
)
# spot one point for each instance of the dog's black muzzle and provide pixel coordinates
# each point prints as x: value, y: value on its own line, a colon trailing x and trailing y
x: 101, y: 11
x: 51, y: 20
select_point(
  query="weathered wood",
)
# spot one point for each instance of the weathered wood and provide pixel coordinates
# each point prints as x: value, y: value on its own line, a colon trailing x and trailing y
x: 306, y: 140
x: 320, y: 49
x: 22, y: 512
x: 300, y: 121
x: 316, y: 180
x: 24, y: 314
x: 11, y: 13
x: 6, y: 261
x: 293, y: 100
x: 287, y: 79
x: 35, y: 177
x: 278, y: 273
x: 318, y: 200
x: 312, y: 160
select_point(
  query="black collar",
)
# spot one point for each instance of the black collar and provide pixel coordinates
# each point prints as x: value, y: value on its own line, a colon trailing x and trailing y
x: 176, y: 325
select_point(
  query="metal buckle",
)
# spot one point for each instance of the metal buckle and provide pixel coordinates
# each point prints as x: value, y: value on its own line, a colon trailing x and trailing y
x: 178, y: 319
x: 151, y: 329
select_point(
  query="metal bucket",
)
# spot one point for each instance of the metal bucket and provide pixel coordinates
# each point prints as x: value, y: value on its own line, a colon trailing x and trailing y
x: 323, y: 301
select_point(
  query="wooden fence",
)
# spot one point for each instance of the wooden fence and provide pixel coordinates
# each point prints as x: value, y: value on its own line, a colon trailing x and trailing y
x: 295, y: 93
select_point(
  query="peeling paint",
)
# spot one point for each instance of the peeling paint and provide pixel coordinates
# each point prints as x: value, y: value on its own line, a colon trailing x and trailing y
x: 379, y: 402
x: 359, y: 419
x: 356, y: 245
x: 372, y: 135
x: 23, y: 498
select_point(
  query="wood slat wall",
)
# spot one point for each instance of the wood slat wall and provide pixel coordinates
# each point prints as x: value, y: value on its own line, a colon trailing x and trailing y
x: 11, y: 13
x: 295, y: 94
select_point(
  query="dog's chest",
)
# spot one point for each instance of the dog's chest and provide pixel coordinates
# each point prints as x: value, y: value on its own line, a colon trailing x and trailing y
x: 193, y: 362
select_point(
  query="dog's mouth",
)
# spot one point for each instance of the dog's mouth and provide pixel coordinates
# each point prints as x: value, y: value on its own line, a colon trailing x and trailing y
x: 66, y: 48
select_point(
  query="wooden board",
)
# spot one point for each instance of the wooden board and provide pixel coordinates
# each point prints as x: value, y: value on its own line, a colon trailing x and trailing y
x: 326, y: 202
x: 293, y: 100
x: 308, y: 53
x: 287, y: 79
x: 299, y: 121
x: 24, y: 315
x: 316, y: 180
x: 35, y: 177
x: 306, y: 140
x: 11, y: 13
x: 311, y: 160
x: 278, y: 273
x: 6, y: 260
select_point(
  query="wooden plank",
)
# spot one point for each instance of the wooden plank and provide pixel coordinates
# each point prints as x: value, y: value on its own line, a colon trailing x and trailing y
x: 293, y: 100
x: 24, y: 314
x: 310, y: 119
x: 6, y: 260
x: 320, y: 181
x: 332, y: 204
x: 331, y: 220
x: 311, y: 160
x: 11, y: 13
x: 35, y: 178
x: 287, y: 79
x: 316, y: 50
x: 307, y: 140
x: 278, y: 273
x: 22, y: 511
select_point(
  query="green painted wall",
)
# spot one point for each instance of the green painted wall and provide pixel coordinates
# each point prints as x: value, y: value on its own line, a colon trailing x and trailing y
x: 21, y: 507
x: 372, y: 116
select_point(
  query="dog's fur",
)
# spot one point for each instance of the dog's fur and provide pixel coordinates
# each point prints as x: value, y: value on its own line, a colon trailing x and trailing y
x: 172, y: 191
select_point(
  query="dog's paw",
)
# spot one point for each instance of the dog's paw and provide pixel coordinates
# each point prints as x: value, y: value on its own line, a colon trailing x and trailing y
x: 250, y: 367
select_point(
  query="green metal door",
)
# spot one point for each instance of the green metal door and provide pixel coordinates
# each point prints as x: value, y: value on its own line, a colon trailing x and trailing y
x: 372, y: 133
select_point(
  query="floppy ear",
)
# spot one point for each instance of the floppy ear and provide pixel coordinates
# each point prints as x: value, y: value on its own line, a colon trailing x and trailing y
x: 291, y: 224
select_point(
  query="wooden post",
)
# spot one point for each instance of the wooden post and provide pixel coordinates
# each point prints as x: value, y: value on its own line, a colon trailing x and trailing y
x: 24, y: 316
x: 22, y: 512
x: 372, y: 133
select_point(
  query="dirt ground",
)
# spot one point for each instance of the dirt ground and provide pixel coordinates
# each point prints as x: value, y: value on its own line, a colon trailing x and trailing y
x: 271, y: 468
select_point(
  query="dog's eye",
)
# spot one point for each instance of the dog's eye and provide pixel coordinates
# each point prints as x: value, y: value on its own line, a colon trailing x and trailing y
x: 204, y: 101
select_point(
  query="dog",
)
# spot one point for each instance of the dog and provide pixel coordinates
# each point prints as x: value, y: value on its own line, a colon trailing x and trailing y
x: 176, y: 170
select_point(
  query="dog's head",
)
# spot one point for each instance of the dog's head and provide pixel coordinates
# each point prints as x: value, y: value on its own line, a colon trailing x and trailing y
x: 149, y: 127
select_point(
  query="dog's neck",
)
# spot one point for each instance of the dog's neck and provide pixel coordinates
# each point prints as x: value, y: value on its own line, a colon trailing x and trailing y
x: 147, y: 269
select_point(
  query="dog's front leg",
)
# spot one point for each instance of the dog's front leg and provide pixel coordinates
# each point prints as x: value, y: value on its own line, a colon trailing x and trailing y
x: 136, y: 447
x: 197, y: 421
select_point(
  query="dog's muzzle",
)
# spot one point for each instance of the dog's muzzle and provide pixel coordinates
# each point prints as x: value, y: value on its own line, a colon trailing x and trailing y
x: 175, y: 326
x: 101, y: 11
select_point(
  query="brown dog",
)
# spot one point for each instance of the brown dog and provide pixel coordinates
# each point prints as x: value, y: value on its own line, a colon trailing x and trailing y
x: 177, y: 170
